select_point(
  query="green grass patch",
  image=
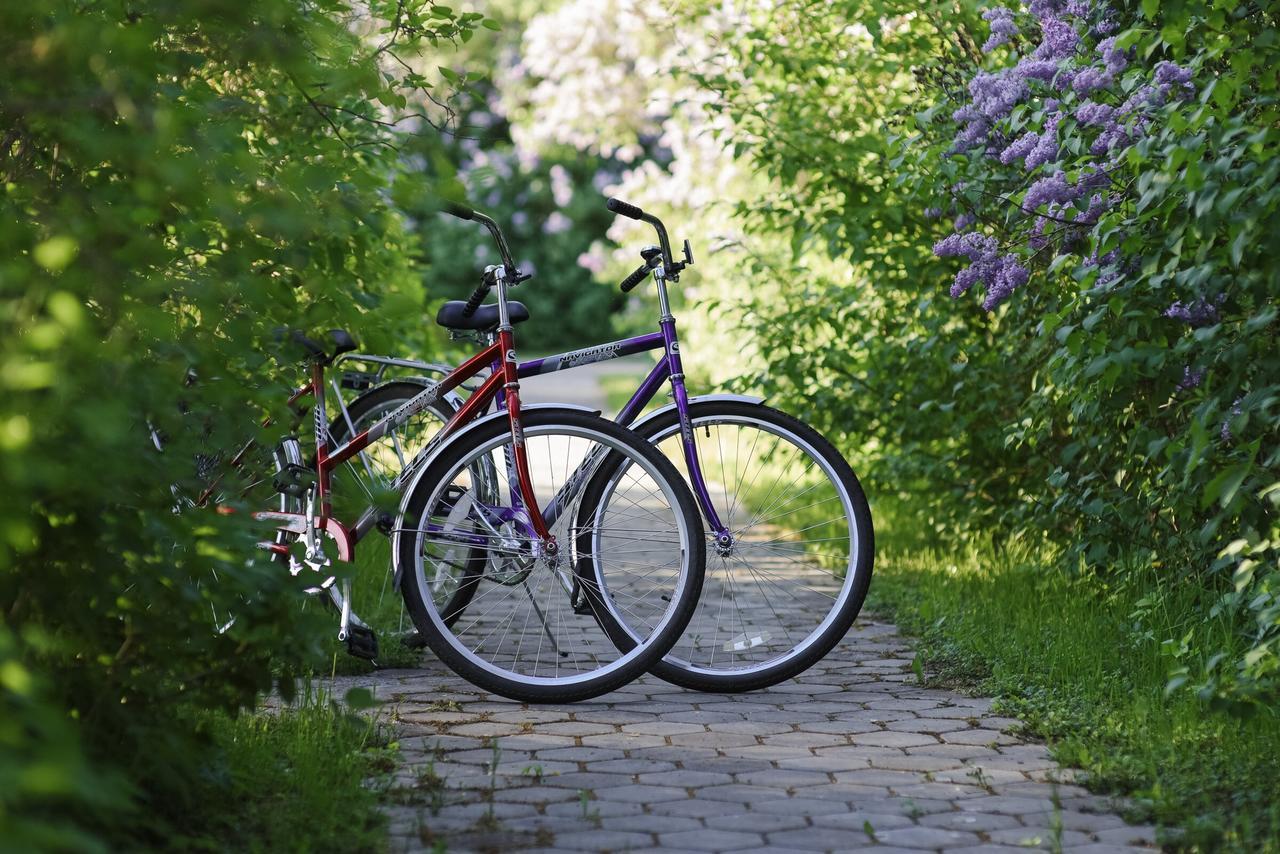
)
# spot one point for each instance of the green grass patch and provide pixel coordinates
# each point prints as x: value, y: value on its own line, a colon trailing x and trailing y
x: 1084, y: 659
x: 293, y: 780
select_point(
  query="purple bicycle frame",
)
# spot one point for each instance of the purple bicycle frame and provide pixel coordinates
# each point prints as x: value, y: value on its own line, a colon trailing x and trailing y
x: 668, y: 367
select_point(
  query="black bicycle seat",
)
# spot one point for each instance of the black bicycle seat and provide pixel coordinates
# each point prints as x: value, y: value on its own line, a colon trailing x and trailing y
x: 485, y: 318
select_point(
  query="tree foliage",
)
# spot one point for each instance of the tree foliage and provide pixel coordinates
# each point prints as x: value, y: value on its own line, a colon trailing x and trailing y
x: 179, y: 180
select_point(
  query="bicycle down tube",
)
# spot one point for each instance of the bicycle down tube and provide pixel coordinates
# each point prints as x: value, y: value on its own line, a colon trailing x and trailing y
x: 668, y: 367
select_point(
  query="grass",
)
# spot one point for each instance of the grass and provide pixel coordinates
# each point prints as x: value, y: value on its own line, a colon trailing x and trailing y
x: 1083, y: 658
x: 292, y: 780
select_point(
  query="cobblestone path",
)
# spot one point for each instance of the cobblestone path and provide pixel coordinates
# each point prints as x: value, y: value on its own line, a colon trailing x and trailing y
x: 853, y: 755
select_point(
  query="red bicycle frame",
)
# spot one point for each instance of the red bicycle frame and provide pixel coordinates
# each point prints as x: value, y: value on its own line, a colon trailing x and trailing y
x: 501, y: 351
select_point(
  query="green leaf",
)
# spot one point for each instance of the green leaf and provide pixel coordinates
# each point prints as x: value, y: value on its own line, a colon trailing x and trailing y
x: 56, y: 253
x: 360, y: 699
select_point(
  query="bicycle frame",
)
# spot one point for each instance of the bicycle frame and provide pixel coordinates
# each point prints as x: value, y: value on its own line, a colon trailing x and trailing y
x: 499, y: 355
x: 668, y: 368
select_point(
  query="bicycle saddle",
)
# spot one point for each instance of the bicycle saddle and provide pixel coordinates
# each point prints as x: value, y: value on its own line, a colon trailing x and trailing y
x: 342, y: 340
x: 485, y: 319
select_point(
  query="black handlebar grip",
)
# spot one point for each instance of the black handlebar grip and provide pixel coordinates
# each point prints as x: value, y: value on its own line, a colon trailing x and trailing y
x: 473, y: 302
x: 637, y: 276
x: 618, y: 206
x: 460, y: 211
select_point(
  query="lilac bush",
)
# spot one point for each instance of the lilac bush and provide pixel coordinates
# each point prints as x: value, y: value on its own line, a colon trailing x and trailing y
x: 1059, y: 66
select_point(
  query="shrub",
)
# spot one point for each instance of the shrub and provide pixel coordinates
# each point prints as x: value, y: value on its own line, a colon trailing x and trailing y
x: 179, y: 178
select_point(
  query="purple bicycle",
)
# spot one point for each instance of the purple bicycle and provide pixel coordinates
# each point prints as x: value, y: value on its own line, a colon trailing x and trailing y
x: 789, y: 544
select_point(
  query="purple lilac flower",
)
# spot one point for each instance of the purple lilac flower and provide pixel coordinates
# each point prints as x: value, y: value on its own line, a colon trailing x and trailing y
x: 1167, y: 72
x: 1114, y: 58
x: 1104, y: 261
x: 1002, y: 274
x: 994, y: 95
x: 964, y: 221
x: 1058, y: 39
x: 1043, y: 70
x: 1170, y: 77
x: 1194, y: 314
x: 1099, y: 204
x: 1009, y: 276
x: 1191, y: 378
x: 1105, y: 27
x: 1092, y: 79
x: 1044, y: 8
x: 1039, y: 237
x: 1089, y: 113
x: 933, y: 213
x: 1051, y: 189
x: 1046, y: 148
x: 1020, y: 147
x: 981, y: 251
x: 1002, y: 27
x: 1078, y: 8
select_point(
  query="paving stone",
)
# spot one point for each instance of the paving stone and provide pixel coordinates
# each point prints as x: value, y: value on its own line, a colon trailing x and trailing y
x: 601, y: 840
x: 743, y: 794
x: 604, y: 809
x: 702, y: 808
x: 859, y: 819
x: 641, y: 794
x: 1128, y: 835
x: 582, y: 754
x: 784, y: 778
x: 710, y: 839
x: 878, y: 777
x: 633, y: 766
x: 888, y: 738
x: 976, y: 822
x: 757, y: 822
x: 623, y: 740
x: 1005, y: 804
x: 819, y: 838
x: 717, y: 740
x: 663, y: 727
x: 801, y: 806
x: 927, y: 837
x: 978, y: 736
x: 685, y: 778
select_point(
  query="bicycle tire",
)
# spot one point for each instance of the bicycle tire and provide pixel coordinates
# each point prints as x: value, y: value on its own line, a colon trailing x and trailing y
x: 816, y: 644
x: 636, y: 655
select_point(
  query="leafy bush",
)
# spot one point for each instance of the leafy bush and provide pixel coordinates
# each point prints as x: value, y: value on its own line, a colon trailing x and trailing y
x: 1127, y: 162
x: 1108, y: 176
x: 178, y: 180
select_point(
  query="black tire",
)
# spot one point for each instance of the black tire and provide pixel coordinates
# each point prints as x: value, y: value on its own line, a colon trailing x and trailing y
x: 852, y: 592
x: 386, y: 398
x: 634, y: 657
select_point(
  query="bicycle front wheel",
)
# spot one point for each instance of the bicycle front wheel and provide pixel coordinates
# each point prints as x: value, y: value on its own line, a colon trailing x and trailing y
x: 790, y: 582
x: 532, y: 630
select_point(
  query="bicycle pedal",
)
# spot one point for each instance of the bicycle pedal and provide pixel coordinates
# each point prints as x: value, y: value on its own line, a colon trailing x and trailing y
x: 414, y: 639
x: 362, y: 642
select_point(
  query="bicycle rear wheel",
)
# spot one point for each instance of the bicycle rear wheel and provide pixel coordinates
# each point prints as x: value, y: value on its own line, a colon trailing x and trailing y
x: 792, y: 581
x: 532, y: 630
x: 369, y: 478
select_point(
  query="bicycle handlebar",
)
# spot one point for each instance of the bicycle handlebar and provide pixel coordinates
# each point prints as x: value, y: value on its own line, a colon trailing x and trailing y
x: 460, y: 211
x: 627, y: 209
x: 637, y: 276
